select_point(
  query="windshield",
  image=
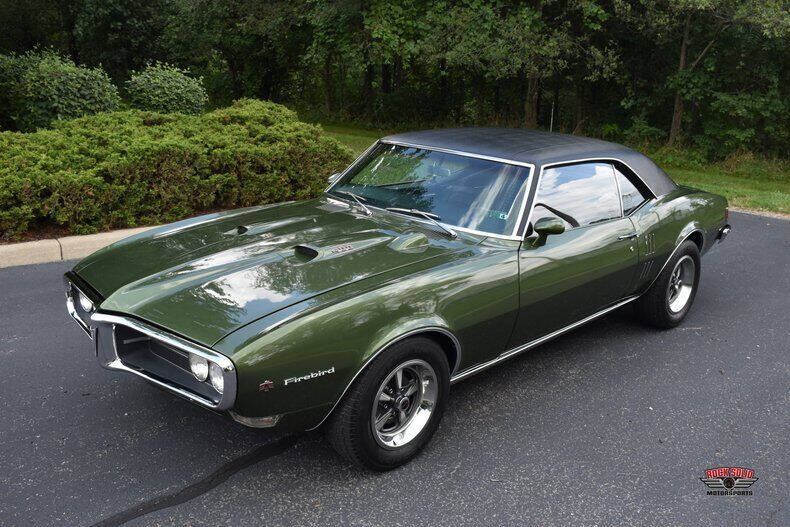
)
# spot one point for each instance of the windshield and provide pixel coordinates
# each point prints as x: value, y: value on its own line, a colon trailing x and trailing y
x: 462, y: 191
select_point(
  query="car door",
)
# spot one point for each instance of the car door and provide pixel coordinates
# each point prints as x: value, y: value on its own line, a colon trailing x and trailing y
x: 589, y: 266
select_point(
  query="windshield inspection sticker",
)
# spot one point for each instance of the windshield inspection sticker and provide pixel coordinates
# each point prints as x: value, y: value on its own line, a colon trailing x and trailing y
x: 497, y: 215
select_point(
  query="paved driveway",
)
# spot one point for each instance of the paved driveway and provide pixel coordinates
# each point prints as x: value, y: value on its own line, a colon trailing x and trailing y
x: 612, y: 424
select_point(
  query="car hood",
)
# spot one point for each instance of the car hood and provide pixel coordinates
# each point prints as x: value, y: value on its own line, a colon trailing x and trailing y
x: 207, y: 276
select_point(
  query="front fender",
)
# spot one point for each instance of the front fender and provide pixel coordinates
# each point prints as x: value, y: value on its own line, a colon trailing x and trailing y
x: 309, y: 362
x: 305, y: 357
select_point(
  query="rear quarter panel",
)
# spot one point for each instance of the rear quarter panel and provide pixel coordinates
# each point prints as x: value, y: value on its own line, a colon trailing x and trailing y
x: 663, y: 223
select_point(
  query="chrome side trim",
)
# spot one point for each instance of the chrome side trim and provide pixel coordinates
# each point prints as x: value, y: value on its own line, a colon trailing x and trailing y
x: 110, y: 360
x: 673, y: 254
x: 426, y: 329
x: 522, y: 207
x: 586, y: 160
x: 524, y: 347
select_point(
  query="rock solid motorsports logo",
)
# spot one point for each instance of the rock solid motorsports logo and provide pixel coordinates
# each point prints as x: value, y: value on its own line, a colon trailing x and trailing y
x: 729, y: 481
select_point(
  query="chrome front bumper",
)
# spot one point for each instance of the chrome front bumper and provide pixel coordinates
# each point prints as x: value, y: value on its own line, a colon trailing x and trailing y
x: 126, y: 344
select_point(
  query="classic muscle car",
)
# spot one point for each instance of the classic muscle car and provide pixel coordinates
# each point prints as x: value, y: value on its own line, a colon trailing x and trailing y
x: 435, y: 255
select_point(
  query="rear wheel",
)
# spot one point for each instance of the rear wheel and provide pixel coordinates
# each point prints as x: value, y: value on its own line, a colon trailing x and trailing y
x: 669, y: 299
x: 393, y: 409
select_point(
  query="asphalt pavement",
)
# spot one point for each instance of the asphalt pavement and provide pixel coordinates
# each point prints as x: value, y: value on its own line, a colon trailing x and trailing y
x: 612, y: 424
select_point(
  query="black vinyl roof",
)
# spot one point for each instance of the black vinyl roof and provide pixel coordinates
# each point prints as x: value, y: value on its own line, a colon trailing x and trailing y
x: 538, y: 148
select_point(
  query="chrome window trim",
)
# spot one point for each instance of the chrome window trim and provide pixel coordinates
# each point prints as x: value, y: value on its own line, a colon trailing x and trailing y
x: 227, y: 398
x: 619, y: 190
x: 645, y: 202
x: 531, y: 344
x: 427, y: 329
x: 609, y: 160
x: 352, y: 165
x: 513, y: 236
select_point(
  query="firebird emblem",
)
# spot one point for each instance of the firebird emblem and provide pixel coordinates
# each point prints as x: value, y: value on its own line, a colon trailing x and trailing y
x: 319, y: 373
x: 265, y: 386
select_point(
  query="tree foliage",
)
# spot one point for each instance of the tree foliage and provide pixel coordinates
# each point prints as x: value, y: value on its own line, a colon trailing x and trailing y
x: 709, y: 73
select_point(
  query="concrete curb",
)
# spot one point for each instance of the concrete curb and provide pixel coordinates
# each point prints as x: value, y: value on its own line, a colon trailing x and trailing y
x: 59, y: 249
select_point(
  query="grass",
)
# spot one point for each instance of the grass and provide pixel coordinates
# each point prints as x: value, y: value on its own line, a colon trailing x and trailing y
x: 747, y: 183
x: 358, y: 139
x: 742, y: 192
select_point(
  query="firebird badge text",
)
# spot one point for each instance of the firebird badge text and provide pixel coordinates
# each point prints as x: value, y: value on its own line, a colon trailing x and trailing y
x: 729, y: 481
x: 319, y: 373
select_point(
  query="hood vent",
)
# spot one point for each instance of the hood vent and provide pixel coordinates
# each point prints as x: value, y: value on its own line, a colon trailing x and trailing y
x: 305, y: 253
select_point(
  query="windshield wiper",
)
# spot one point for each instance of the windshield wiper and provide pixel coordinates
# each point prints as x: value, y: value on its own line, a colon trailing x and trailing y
x: 433, y: 218
x: 357, y: 199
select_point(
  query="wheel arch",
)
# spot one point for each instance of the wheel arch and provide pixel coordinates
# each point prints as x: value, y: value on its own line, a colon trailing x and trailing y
x: 439, y: 334
x: 698, y: 237
x: 692, y: 231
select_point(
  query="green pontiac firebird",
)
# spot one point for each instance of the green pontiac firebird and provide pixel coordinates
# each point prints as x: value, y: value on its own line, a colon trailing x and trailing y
x: 433, y: 256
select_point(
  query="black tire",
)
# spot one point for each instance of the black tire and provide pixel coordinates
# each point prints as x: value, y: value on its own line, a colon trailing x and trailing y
x: 350, y: 429
x: 653, y: 307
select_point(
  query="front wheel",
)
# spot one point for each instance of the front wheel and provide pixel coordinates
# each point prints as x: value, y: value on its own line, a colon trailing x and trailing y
x: 669, y: 299
x: 393, y: 409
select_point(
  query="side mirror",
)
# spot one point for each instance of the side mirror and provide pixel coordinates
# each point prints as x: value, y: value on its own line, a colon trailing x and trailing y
x: 546, y: 226
x: 334, y: 177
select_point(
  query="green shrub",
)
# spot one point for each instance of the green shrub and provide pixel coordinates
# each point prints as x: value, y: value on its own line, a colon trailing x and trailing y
x: 129, y: 168
x: 166, y: 89
x: 12, y: 70
x: 55, y: 88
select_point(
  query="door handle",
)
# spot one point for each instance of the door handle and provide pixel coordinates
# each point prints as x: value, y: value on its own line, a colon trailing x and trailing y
x: 627, y: 236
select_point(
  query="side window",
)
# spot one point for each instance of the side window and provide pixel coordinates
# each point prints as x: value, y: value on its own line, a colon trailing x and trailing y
x: 580, y: 195
x: 632, y: 196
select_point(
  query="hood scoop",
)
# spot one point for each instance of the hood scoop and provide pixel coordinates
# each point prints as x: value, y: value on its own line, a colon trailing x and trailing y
x: 236, y: 231
x: 305, y: 253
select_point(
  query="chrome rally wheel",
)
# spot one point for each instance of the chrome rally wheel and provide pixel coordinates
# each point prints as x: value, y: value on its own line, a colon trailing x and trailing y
x: 394, y: 407
x: 681, y: 284
x: 668, y: 300
x: 404, y: 403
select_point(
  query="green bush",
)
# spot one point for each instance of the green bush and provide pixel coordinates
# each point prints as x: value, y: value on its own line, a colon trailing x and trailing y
x: 166, y: 89
x: 12, y: 70
x: 52, y: 88
x: 130, y: 168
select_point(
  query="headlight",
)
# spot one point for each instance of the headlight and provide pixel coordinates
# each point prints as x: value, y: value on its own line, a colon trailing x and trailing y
x: 85, y: 303
x: 216, y: 375
x: 199, y: 367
